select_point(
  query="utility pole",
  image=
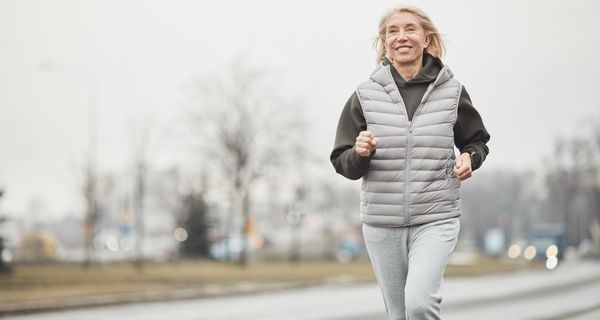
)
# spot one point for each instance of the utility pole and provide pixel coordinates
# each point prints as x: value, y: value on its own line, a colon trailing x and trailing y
x: 141, y: 141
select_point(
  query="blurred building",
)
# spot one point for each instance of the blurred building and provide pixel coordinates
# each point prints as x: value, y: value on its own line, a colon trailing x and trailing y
x: 37, y: 247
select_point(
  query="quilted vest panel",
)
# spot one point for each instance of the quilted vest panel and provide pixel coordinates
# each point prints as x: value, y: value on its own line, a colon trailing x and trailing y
x: 410, y: 180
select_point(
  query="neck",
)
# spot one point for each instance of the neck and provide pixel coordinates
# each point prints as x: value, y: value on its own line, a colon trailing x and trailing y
x: 408, y: 70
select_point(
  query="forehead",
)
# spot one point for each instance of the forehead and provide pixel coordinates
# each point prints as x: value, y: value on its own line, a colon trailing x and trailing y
x: 400, y: 19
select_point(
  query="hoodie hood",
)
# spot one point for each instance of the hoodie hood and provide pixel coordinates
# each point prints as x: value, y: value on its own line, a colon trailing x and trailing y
x: 411, y: 92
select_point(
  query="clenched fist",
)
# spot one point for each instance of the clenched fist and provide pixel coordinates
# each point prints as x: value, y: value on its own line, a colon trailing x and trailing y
x: 462, y: 169
x: 365, y: 143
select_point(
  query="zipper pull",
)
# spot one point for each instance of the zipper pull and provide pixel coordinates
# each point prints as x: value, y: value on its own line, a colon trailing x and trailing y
x: 410, y: 126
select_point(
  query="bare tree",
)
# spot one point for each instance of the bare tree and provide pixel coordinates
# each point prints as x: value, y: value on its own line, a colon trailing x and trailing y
x: 594, y: 172
x: 329, y: 202
x: 573, y: 184
x: 185, y: 200
x: 244, y: 128
x: 169, y: 193
x: 497, y: 198
x: 90, y: 223
x: 4, y: 266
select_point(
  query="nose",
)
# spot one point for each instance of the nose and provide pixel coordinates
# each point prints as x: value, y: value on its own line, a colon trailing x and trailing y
x: 401, y: 36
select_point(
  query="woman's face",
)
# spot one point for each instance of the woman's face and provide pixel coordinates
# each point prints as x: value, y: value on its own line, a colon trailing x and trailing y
x: 405, y: 39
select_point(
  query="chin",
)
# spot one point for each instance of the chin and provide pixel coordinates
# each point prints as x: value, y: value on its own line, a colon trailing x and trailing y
x: 405, y: 60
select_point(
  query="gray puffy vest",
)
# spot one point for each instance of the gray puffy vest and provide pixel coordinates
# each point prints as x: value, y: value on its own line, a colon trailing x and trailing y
x: 410, y: 179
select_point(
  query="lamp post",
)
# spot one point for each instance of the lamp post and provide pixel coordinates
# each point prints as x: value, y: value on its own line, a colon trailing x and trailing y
x: 91, y: 177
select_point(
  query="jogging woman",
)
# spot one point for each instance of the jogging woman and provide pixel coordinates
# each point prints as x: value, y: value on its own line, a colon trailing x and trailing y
x: 398, y: 132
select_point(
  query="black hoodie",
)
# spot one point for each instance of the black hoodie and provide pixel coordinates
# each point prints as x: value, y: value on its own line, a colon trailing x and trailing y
x: 470, y: 134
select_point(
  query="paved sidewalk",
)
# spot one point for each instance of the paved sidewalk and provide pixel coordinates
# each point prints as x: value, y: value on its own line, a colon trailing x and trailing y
x: 209, y: 291
x: 459, y: 292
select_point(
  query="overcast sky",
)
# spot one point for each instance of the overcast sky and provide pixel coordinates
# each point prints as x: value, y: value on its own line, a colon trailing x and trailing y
x: 531, y: 69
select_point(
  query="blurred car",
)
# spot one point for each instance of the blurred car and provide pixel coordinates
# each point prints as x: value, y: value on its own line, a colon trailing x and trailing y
x: 547, y: 239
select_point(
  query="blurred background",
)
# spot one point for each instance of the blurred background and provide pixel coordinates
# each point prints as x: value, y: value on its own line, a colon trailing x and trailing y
x: 175, y: 144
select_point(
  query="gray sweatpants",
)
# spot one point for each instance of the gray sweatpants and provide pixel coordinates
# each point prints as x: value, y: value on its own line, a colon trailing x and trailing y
x: 409, y: 264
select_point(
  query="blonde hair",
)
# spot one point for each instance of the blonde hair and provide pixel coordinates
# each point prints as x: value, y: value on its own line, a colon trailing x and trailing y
x: 436, y: 45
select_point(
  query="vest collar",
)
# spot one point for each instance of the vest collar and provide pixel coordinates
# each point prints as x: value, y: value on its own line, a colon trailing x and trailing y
x: 383, y: 75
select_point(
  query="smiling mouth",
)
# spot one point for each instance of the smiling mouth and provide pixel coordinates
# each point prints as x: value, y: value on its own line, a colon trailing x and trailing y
x: 403, y: 48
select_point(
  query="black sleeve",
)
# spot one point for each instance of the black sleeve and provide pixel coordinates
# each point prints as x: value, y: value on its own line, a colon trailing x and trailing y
x: 343, y: 156
x: 470, y: 134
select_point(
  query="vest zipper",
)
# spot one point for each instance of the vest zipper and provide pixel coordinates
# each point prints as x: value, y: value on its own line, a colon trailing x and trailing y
x: 409, y: 139
x: 406, y: 174
x: 409, y: 152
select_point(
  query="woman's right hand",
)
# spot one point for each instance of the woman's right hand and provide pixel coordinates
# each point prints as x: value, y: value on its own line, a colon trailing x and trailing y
x: 365, y: 143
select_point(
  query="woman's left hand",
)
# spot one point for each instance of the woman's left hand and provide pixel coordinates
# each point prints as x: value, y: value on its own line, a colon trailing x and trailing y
x: 462, y: 169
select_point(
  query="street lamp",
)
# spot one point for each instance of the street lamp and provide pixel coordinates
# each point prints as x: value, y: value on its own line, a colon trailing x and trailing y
x: 90, y: 188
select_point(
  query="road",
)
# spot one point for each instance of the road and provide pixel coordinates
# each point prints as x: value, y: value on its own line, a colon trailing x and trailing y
x: 567, y: 293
